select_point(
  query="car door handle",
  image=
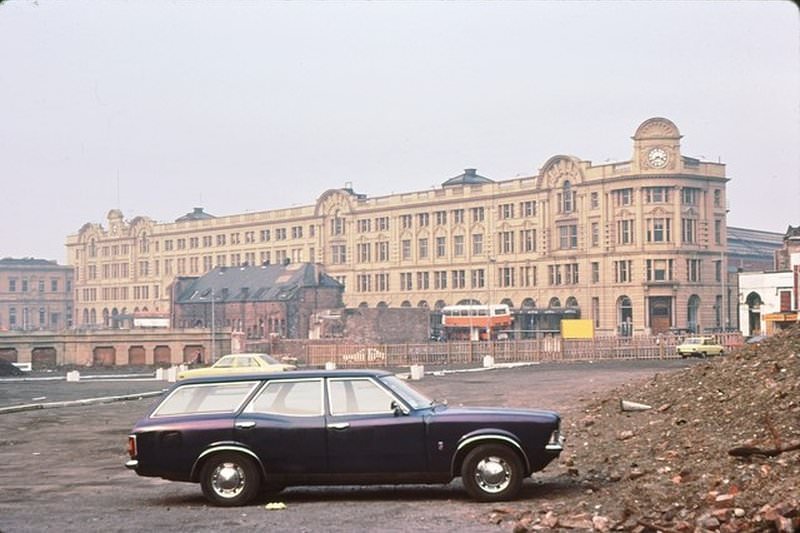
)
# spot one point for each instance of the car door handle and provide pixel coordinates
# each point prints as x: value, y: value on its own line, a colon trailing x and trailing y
x: 339, y: 426
x: 245, y: 425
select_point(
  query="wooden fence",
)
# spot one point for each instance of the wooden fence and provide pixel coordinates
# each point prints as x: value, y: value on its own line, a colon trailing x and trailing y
x: 344, y: 354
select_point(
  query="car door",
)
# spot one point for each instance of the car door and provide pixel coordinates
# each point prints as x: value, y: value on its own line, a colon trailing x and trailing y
x: 365, y: 433
x: 284, y: 424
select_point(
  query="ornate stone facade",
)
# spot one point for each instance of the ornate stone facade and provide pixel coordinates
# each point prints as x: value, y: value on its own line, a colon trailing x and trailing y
x: 636, y: 246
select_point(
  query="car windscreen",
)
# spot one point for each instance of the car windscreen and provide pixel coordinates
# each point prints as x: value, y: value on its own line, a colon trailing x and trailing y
x: 415, y: 399
x: 267, y: 359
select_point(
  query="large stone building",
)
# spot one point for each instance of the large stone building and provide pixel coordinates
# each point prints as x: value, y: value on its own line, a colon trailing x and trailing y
x: 35, y: 294
x: 636, y: 245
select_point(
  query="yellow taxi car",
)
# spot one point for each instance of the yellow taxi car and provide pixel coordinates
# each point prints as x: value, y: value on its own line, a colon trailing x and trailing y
x: 238, y: 363
x: 699, y: 346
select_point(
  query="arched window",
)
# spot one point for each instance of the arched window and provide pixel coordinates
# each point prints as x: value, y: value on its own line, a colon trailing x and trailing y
x: 439, y: 305
x: 693, y: 313
x: 405, y: 303
x: 144, y: 244
x: 422, y: 304
x: 382, y: 305
x: 106, y: 317
x: 567, y: 198
x: 528, y: 303
x: 572, y: 302
x: 93, y: 317
x: 625, y: 316
x: 363, y: 305
x: 554, y: 303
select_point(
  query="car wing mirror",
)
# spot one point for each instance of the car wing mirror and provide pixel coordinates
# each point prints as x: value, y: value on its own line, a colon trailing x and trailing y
x: 396, y: 408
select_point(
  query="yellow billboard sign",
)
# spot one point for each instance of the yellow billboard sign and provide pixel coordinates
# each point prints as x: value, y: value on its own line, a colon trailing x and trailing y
x: 579, y: 328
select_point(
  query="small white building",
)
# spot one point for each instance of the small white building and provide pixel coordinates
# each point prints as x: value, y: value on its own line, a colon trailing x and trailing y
x: 769, y: 300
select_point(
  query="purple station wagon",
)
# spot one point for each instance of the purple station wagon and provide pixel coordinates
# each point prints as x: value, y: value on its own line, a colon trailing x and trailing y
x: 246, y: 435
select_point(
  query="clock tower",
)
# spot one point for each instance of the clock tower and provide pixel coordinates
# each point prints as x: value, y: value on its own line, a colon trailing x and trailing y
x: 656, y: 146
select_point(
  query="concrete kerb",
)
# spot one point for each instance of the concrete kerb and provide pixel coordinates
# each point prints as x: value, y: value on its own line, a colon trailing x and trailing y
x: 86, y: 401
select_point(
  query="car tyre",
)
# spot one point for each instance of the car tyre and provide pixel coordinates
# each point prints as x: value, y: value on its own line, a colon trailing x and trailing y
x: 230, y: 479
x: 491, y: 473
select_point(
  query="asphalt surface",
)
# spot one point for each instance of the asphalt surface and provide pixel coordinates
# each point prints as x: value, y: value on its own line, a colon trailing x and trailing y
x: 63, y: 464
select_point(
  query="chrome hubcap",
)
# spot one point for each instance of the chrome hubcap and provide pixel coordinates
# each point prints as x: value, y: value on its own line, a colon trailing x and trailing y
x: 493, y: 474
x: 227, y: 480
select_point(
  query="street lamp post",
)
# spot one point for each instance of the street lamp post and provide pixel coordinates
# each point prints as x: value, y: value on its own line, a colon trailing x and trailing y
x: 213, y: 326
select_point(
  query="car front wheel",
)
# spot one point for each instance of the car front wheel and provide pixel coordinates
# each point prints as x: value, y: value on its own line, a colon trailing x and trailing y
x: 230, y: 479
x: 491, y: 473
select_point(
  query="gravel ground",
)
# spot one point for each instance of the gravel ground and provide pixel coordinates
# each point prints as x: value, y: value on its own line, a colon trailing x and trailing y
x: 63, y: 468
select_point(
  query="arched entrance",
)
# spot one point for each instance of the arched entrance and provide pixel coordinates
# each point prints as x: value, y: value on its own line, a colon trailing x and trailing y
x: 754, y: 304
x: 660, y: 314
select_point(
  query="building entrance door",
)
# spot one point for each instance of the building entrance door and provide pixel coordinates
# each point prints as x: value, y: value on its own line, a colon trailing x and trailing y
x: 660, y: 314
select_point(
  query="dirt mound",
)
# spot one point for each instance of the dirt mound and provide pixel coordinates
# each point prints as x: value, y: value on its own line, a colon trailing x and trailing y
x: 718, y: 450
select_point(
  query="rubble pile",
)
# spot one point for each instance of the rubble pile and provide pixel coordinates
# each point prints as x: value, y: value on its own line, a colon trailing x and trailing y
x: 712, y: 448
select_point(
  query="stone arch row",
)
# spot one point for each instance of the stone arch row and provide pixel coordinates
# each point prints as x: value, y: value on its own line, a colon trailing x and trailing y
x: 528, y: 303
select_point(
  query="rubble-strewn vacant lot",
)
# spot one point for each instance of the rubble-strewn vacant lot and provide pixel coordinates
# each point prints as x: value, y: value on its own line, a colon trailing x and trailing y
x: 718, y: 450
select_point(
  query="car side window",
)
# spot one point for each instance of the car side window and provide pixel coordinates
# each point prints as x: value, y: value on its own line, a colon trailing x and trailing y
x: 289, y: 398
x: 358, y: 396
x: 205, y: 398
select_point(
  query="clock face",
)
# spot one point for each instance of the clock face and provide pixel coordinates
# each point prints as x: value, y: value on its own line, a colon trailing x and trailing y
x: 657, y: 157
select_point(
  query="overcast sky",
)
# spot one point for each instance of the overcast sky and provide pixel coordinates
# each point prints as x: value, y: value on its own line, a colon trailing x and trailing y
x: 158, y: 107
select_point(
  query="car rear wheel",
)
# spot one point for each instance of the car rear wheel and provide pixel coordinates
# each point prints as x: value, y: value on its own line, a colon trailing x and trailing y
x: 491, y: 473
x: 230, y: 479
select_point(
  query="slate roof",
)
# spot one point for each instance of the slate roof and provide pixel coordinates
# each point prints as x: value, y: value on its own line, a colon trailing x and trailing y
x: 196, y: 214
x: 264, y: 283
x: 752, y: 242
x: 469, y: 177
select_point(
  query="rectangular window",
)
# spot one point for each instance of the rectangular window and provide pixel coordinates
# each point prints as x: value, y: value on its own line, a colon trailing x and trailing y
x: 235, y: 238
x: 527, y: 240
x: 297, y: 232
x: 622, y: 197
x: 381, y: 223
x: 422, y: 248
x: 527, y: 276
x: 405, y: 249
x: 405, y: 281
x: 458, y: 245
x: 656, y: 195
x: 506, y: 240
x: 718, y: 271
x: 506, y: 211
x: 477, y: 279
x: 571, y: 276
x: 265, y: 235
x: 280, y: 234
x: 688, y: 230
x: 625, y: 232
x: 528, y: 208
x: 364, y: 226
x: 659, y: 269
x: 690, y: 196
x: 339, y: 254
x: 459, y: 279
x: 659, y: 230
x: 405, y: 221
x: 477, y: 244
x: 568, y: 237
x: 364, y: 252
x: 53, y: 285
x: 594, y: 200
x: 440, y: 279
x: 423, y: 281
x: 595, y: 229
x: 12, y: 285
x: 477, y: 214
x: 382, y: 251
x: 382, y: 282
x: 507, y: 277
x: 458, y: 216
x: 363, y: 283
x: 596, y: 311
x: 554, y: 274
x: 717, y: 231
x: 221, y: 240
x: 595, y: 272
x: 623, y: 271
x: 423, y: 219
x: 440, y: 217
x: 441, y: 246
